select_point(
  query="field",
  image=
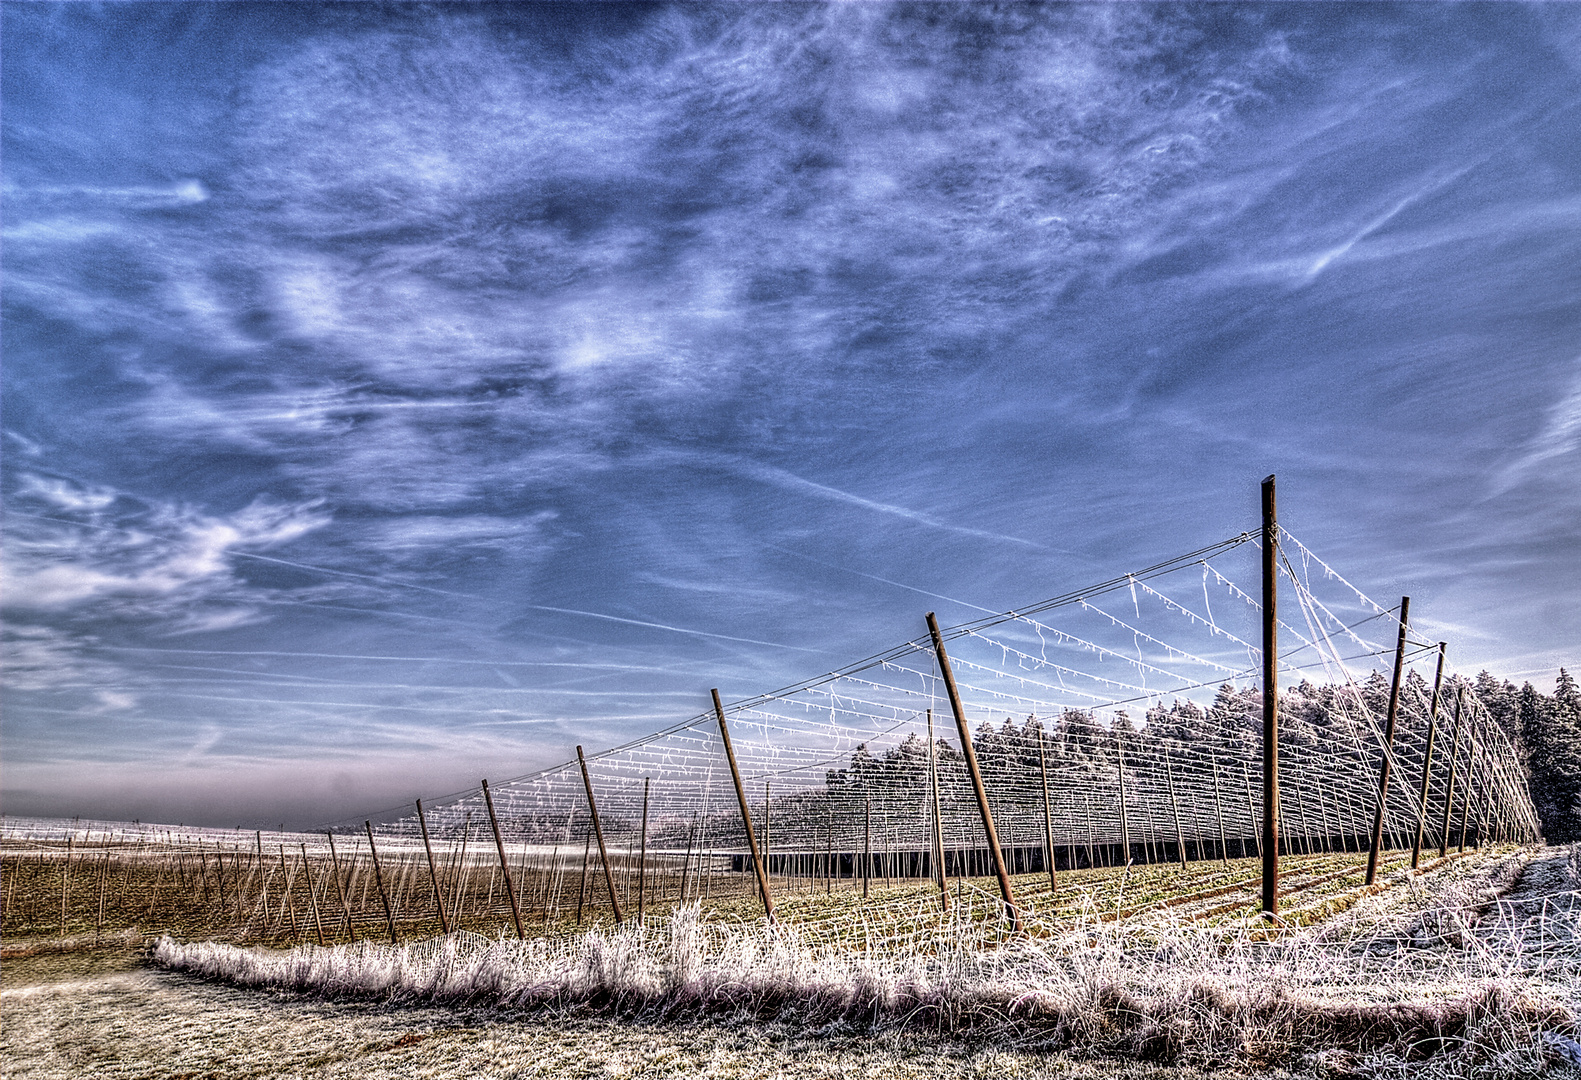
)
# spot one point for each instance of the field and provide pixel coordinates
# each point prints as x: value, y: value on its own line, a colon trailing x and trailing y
x: 1470, y: 968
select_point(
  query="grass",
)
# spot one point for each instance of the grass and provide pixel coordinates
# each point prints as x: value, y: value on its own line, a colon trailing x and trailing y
x: 1407, y: 974
x: 1452, y: 972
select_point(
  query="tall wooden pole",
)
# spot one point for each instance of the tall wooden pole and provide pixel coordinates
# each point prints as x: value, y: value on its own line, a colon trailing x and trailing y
x: 1125, y: 819
x: 340, y: 890
x: 1218, y: 806
x: 1388, y: 744
x: 867, y: 847
x: 642, y: 859
x: 1048, y: 811
x: 938, y: 821
x: 1251, y: 812
x: 1427, y: 759
x: 1270, y: 838
x: 981, y: 792
x: 505, y: 869
x: 1465, y: 796
x: 746, y: 814
x: 433, y: 871
x: 598, y: 831
x: 1180, y: 836
x: 378, y: 877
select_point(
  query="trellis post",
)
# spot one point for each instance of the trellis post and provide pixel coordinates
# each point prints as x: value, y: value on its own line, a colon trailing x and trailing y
x: 1270, y: 837
x: 1125, y: 820
x: 340, y: 890
x: 598, y: 831
x: 312, y: 894
x: 867, y: 845
x: 746, y: 813
x: 433, y: 872
x: 938, y: 821
x: 1180, y: 836
x: 1427, y: 759
x: 981, y: 792
x: 499, y: 846
x: 1048, y: 810
x: 1251, y: 812
x: 1218, y: 806
x: 378, y: 877
x: 1388, y: 743
x: 642, y: 858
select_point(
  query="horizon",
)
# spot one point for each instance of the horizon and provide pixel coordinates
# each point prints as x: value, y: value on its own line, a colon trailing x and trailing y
x: 395, y: 396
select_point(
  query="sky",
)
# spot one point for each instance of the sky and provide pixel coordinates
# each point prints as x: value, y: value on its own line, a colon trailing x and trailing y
x: 398, y: 395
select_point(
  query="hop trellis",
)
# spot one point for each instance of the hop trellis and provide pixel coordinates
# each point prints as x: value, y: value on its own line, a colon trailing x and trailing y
x: 1116, y: 723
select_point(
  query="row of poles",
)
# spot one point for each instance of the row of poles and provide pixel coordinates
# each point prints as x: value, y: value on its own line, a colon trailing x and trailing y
x: 1269, y: 844
x: 1271, y: 824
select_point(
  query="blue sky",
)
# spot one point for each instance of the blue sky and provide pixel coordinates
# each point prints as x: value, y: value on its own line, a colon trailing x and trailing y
x: 397, y: 396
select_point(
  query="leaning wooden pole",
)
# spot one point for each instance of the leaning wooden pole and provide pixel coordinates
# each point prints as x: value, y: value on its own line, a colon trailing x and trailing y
x: 340, y: 890
x: 433, y: 871
x: 981, y: 792
x: 1376, y: 844
x: 598, y: 831
x: 1270, y: 837
x: 938, y: 822
x: 378, y: 877
x: 746, y: 813
x: 1427, y: 759
x: 312, y: 895
x: 505, y: 868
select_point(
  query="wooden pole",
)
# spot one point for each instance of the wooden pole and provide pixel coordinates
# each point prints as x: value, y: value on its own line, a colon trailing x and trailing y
x: 1251, y: 812
x: 1180, y: 836
x: 505, y: 868
x: 263, y: 886
x: 378, y: 877
x: 598, y: 831
x: 1270, y: 837
x: 828, y: 849
x: 1427, y: 759
x: 938, y: 822
x: 581, y: 893
x: 1125, y: 820
x: 867, y: 847
x: 642, y: 859
x: 1388, y: 744
x: 290, y: 908
x: 340, y: 890
x: 686, y: 867
x: 746, y: 813
x: 312, y: 894
x: 1218, y: 806
x: 433, y: 871
x: 1048, y: 810
x: 981, y: 792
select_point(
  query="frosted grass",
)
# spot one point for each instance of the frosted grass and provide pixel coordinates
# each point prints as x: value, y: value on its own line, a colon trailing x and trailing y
x: 1449, y: 969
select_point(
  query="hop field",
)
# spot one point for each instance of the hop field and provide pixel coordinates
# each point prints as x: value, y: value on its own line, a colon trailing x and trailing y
x: 1469, y: 968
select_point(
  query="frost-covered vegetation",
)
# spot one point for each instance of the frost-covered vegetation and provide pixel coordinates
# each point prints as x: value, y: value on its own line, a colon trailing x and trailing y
x: 1474, y: 968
